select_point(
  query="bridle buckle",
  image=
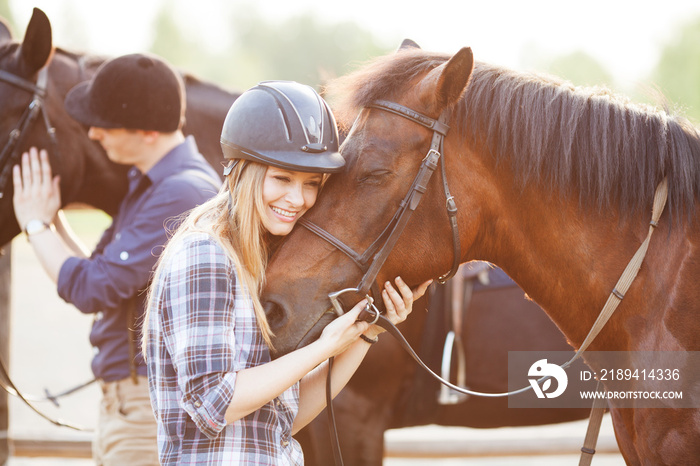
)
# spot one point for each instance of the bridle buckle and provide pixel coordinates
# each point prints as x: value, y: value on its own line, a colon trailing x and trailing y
x: 338, y: 307
x: 334, y: 297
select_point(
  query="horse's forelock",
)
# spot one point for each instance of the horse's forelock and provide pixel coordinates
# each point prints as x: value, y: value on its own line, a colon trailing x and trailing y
x: 381, y: 78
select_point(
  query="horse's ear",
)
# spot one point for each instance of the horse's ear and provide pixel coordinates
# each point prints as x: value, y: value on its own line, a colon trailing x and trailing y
x: 408, y: 44
x: 452, y: 78
x: 37, y: 46
x: 5, y: 31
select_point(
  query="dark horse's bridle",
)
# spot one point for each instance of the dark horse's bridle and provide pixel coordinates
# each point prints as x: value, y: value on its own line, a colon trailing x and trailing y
x: 8, y: 157
x: 372, y: 260
x: 10, y: 153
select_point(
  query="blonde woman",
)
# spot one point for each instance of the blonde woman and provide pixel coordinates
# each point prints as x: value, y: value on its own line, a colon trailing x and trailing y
x: 217, y: 395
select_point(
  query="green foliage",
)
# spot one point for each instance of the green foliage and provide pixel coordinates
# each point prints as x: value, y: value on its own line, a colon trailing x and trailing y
x: 172, y: 44
x: 678, y: 71
x: 6, y: 14
x: 302, y: 49
x: 581, y: 69
x: 253, y: 48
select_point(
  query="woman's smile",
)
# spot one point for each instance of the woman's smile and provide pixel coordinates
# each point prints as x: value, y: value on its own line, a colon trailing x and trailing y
x: 285, y: 215
x: 287, y: 195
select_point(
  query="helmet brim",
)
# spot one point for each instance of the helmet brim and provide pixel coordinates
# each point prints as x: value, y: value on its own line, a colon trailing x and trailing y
x: 77, y: 105
x: 327, y: 162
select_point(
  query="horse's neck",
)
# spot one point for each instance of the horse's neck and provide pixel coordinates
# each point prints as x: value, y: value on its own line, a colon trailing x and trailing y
x: 566, y: 258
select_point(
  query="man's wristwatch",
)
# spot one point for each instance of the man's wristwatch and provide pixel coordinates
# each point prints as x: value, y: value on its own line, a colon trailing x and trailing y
x: 35, y: 226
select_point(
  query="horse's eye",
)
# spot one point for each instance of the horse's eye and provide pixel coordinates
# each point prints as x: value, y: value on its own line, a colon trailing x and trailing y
x: 374, y: 177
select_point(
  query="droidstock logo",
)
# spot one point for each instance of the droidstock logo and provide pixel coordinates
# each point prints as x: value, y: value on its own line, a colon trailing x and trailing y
x: 541, y: 369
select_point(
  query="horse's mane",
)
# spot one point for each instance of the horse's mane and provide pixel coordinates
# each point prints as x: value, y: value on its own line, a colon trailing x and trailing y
x: 88, y: 60
x: 589, y: 139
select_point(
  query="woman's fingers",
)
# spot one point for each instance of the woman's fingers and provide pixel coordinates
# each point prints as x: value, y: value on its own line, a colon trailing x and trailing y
x: 421, y: 289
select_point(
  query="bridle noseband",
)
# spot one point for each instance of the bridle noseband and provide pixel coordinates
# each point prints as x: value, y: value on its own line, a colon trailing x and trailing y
x: 10, y: 154
x: 372, y: 260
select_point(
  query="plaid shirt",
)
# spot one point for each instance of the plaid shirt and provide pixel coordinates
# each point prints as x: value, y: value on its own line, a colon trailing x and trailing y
x: 202, y: 331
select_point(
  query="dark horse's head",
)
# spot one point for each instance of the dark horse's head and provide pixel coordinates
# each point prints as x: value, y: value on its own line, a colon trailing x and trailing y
x: 21, y: 64
x: 87, y: 175
x: 357, y: 205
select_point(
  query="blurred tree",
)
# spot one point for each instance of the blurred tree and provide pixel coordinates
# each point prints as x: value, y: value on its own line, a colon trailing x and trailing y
x: 69, y: 25
x: 581, y: 69
x: 6, y: 13
x: 303, y: 49
x: 252, y: 48
x: 171, y: 43
x: 678, y: 71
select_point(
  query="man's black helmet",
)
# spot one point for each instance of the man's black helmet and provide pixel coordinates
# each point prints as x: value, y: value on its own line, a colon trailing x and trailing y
x: 284, y: 124
x: 137, y: 91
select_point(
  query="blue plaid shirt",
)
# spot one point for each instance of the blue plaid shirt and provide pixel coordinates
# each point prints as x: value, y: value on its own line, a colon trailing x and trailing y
x: 202, y: 331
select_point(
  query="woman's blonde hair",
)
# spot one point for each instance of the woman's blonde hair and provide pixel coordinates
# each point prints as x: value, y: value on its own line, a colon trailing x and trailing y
x: 234, y: 219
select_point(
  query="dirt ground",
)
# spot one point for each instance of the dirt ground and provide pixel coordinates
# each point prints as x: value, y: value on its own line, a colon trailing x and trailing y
x: 50, y: 351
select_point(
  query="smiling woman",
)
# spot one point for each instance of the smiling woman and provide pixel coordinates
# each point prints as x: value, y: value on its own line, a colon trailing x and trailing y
x: 213, y: 384
x: 287, y: 195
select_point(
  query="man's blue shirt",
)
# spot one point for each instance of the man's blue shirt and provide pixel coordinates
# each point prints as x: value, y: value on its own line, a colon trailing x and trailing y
x: 120, y: 267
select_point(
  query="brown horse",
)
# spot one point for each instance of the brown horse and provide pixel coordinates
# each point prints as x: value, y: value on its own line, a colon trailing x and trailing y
x: 87, y: 175
x: 553, y: 183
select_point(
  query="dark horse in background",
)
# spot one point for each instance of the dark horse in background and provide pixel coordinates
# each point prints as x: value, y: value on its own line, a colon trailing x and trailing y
x: 372, y: 403
x: 553, y: 183
x: 88, y: 176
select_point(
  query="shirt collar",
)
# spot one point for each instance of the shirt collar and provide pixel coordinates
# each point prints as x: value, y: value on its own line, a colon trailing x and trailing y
x: 173, y: 162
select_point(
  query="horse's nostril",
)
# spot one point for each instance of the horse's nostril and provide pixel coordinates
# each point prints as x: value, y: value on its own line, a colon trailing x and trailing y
x: 276, y: 316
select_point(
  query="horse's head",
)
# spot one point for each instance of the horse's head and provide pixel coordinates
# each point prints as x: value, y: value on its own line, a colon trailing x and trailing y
x: 19, y: 65
x: 87, y: 174
x: 33, y: 83
x: 384, y: 153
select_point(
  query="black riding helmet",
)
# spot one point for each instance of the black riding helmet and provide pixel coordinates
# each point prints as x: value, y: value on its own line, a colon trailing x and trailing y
x: 284, y: 124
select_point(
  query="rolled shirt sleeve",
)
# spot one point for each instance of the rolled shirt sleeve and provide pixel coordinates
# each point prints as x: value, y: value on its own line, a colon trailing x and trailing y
x: 198, y: 331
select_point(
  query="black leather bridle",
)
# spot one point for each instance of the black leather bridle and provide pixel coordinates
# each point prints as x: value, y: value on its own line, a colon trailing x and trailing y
x: 372, y: 260
x: 10, y: 153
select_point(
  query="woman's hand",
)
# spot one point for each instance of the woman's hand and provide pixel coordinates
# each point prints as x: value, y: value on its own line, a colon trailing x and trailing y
x: 398, y: 304
x: 36, y: 192
x: 344, y: 330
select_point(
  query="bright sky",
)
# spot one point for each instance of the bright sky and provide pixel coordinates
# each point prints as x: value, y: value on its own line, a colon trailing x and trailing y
x: 626, y: 36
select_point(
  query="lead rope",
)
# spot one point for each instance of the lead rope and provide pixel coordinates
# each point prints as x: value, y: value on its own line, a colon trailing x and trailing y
x: 335, y: 443
x: 594, y: 422
x: 618, y: 293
